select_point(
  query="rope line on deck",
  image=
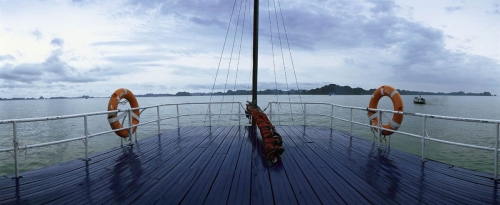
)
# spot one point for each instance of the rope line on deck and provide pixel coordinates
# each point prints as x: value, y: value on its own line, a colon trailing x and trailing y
x: 272, y: 140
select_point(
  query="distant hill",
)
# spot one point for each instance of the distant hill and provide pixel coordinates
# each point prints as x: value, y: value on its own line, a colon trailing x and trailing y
x: 331, y: 89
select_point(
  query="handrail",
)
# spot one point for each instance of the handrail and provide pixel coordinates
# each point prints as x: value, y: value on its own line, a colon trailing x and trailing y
x: 177, y: 115
x: 424, y: 137
x: 86, y: 135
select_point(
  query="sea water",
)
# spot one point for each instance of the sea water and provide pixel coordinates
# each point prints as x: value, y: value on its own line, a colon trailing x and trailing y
x: 285, y: 114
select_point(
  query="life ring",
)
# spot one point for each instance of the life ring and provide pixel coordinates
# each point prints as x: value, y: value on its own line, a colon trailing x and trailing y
x: 397, y: 103
x: 114, y: 120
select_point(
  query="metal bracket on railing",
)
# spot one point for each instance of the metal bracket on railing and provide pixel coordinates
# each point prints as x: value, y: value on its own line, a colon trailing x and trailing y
x: 124, y: 102
x: 20, y: 150
x: 86, y: 148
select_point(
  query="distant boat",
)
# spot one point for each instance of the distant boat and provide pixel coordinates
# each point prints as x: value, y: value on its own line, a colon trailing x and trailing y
x: 419, y: 100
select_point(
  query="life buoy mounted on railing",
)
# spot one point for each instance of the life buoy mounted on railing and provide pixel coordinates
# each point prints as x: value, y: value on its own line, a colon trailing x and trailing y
x: 114, y: 119
x: 397, y: 103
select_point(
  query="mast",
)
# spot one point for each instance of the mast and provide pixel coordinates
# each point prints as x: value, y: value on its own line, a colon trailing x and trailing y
x: 255, y: 49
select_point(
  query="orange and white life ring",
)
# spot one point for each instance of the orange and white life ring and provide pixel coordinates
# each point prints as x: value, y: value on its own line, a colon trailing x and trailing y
x: 114, y: 120
x: 397, y: 103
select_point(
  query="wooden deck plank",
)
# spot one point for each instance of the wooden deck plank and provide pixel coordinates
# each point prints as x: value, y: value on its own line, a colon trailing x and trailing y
x: 98, y: 182
x: 342, y: 189
x: 172, y: 191
x: 102, y: 180
x: 169, y: 189
x: 436, y: 186
x: 457, y: 172
x: 240, y: 187
x: 339, y: 182
x: 445, y: 170
x: 198, y: 193
x: 309, y: 164
x: 346, y: 170
x: 219, y: 192
x: 385, y: 174
x: 261, y: 192
x: 188, y: 165
x: 282, y: 189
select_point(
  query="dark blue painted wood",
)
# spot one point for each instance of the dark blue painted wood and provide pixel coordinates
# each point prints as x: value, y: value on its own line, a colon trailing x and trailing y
x: 225, y: 165
x: 432, y: 186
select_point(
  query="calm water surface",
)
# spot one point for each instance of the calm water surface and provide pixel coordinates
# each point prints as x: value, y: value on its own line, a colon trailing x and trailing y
x: 459, y: 106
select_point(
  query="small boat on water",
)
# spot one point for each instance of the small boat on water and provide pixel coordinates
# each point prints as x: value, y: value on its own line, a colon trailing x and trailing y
x: 419, y: 100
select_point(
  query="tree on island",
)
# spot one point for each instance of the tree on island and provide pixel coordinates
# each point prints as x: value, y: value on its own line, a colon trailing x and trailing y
x: 183, y: 94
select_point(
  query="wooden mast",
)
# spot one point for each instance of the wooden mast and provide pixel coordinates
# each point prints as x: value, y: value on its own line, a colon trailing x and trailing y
x: 255, y: 49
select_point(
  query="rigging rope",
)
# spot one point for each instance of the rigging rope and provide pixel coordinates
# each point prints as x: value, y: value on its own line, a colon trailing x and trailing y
x: 251, y: 72
x: 229, y: 65
x: 274, y: 63
x: 239, y: 56
x: 281, y: 44
x: 283, y: 58
x: 290, y: 51
x: 220, y: 59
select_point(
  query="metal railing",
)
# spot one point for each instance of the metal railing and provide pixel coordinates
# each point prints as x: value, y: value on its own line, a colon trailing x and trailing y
x: 303, y: 112
x: 128, y: 112
x: 378, y: 136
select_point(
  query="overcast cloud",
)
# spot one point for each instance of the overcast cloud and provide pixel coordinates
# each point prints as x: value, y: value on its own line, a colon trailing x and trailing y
x: 165, y: 46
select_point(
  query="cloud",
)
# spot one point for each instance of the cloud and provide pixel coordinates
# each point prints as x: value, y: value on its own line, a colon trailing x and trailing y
x: 331, y: 42
x: 202, y: 13
x: 182, y: 70
x: 384, y: 6
x: 37, y: 34
x: 208, y: 22
x: 57, y: 42
x: 496, y: 9
x: 115, y: 43
x: 21, y: 73
x: 342, y: 27
x: 7, y: 58
x: 138, y: 58
x: 262, y: 85
x: 451, y: 9
x: 53, y: 69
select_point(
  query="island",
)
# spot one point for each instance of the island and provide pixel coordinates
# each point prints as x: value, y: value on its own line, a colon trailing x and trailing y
x: 331, y: 89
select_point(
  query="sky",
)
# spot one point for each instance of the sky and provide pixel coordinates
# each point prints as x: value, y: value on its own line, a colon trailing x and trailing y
x: 93, y: 47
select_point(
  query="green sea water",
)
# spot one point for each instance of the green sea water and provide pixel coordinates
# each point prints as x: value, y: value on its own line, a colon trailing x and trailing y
x: 46, y: 131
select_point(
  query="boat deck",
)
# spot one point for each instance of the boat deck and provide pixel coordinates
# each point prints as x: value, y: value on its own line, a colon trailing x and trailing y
x: 225, y: 165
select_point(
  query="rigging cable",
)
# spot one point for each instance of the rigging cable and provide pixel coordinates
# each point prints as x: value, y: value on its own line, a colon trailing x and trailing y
x: 274, y: 63
x: 229, y: 65
x: 283, y: 58
x: 251, y: 71
x: 290, y: 51
x: 239, y: 55
x: 220, y: 59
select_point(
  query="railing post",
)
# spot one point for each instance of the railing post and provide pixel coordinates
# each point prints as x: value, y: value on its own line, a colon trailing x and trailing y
x: 304, y: 114
x: 135, y: 134
x: 351, y: 121
x: 85, y: 129
x: 424, y: 130
x: 331, y: 119
x: 16, y: 150
x: 178, y: 120
x: 210, y: 115
x: 239, y: 115
x: 158, y: 118
x: 496, y: 151
x: 121, y: 138
x: 130, y: 128
x: 379, y: 113
x: 271, y: 111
